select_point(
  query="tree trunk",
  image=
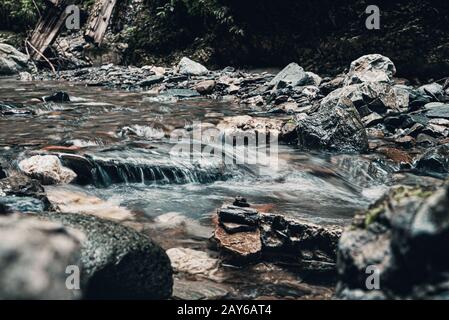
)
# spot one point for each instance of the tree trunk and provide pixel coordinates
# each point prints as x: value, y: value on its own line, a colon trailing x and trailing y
x: 99, y: 20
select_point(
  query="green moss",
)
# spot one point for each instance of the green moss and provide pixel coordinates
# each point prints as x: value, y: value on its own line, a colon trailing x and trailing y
x: 373, y: 214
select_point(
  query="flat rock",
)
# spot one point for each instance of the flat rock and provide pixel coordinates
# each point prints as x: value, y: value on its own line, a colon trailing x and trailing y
x: 243, y: 246
x: 192, y: 262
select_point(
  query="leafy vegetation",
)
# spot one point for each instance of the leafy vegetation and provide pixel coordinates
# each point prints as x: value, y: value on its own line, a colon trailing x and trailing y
x: 19, y: 15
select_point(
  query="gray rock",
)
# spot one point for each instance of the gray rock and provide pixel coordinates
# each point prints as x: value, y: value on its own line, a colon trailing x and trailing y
x: 437, y: 110
x: 435, y: 160
x: 191, y: 68
x: 371, y: 68
x: 34, y: 256
x: 12, y: 61
x: 292, y: 75
x: 118, y: 262
x: 151, y: 80
x: 333, y: 127
x: 239, y: 215
x: 434, y: 90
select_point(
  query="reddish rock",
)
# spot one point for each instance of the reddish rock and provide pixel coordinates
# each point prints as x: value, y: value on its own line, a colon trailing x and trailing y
x: 241, y: 246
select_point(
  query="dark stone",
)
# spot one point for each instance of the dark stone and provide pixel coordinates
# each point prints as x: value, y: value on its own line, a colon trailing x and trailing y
x: 404, y: 236
x: 239, y: 215
x: 58, y: 97
x: 118, y: 262
x: 333, y: 127
x: 2, y: 173
x: 9, y: 108
x: 151, y: 81
x: 20, y: 186
x: 435, y: 160
x: 240, y: 202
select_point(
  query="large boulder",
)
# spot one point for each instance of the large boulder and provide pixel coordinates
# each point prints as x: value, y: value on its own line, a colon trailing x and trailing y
x: 12, y: 61
x: 370, y: 68
x: 292, y: 75
x: 118, y: 262
x: 369, y: 97
x: 335, y: 126
x: 34, y: 256
x: 191, y: 68
x: 48, y: 169
x: 402, y: 239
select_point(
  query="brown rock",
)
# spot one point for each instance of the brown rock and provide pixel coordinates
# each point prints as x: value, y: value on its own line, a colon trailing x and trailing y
x: 240, y: 246
x: 205, y: 87
x: 396, y: 155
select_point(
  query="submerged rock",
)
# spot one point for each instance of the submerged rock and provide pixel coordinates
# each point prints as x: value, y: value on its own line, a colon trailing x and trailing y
x: 12, y: 61
x: 371, y: 68
x: 118, y: 262
x: 191, y: 68
x: 58, y: 97
x: 48, y: 169
x: 34, y: 256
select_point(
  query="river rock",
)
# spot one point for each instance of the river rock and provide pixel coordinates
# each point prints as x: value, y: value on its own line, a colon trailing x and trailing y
x: 34, y: 256
x: 118, y: 262
x: 434, y: 160
x: 240, y: 215
x: 437, y: 110
x: 2, y: 173
x: 152, y: 80
x: 239, y: 247
x: 191, y: 68
x: 12, y: 61
x: 192, y: 262
x: 205, y: 87
x: 402, y: 238
x: 434, y: 90
x: 58, y: 97
x: 24, y: 194
x: 47, y: 169
x: 333, y: 127
x: 371, y: 68
x: 292, y: 75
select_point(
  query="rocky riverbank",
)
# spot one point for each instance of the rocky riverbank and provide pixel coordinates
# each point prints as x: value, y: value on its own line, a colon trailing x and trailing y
x: 395, y: 130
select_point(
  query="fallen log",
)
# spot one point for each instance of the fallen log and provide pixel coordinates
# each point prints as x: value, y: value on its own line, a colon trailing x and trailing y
x: 48, y: 27
x: 99, y: 20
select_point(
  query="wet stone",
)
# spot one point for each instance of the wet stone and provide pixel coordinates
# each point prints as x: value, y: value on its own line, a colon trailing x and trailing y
x: 241, y: 202
x: 239, y: 215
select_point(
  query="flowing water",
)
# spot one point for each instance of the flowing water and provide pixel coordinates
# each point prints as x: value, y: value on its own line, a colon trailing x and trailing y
x: 137, y: 171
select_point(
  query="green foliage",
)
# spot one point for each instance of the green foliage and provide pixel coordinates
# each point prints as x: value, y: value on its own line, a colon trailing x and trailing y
x: 19, y: 14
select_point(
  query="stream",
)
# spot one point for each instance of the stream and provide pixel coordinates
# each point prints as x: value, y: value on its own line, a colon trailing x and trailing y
x: 136, y: 171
